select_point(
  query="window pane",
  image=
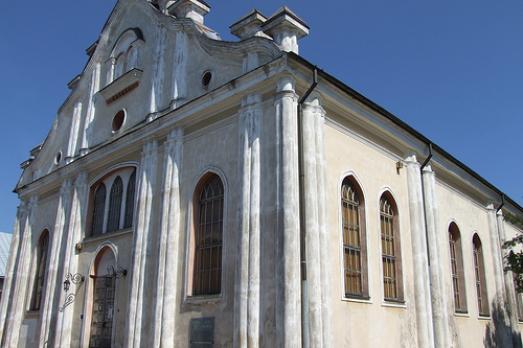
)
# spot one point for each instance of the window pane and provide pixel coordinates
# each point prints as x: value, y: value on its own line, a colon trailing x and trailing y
x: 98, y: 210
x: 208, y: 239
x: 352, y: 241
x: 115, y: 205
x: 129, y: 201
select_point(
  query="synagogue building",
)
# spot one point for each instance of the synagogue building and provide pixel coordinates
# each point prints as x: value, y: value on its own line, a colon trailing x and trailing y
x: 195, y: 192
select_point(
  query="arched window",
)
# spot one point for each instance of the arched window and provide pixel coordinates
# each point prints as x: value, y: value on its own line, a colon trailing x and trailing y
x: 41, y: 270
x: 209, y: 201
x: 125, y: 53
x: 115, y: 212
x: 354, y: 240
x: 97, y: 226
x: 390, y: 249
x: 115, y: 205
x: 119, y: 66
x: 132, y: 58
x: 458, y: 274
x: 479, y: 270
x: 102, y: 312
x: 129, y: 204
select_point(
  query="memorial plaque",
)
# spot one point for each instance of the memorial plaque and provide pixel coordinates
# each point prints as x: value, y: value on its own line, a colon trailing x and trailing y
x: 202, y: 333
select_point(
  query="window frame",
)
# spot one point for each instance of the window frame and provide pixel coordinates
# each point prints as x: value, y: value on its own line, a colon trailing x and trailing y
x: 461, y: 294
x: 364, y: 296
x: 397, y: 245
x: 481, y: 281
x: 190, y: 296
x: 33, y: 306
x: 125, y: 172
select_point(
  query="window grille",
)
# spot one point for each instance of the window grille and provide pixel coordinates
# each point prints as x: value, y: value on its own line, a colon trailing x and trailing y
x: 97, y: 226
x: 208, y: 239
x: 390, y: 250
x: 458, y: 275
x: 115, y: 205
x: 43, y: 249
x: 353, y: 242
x: 129, y: 201
x: 479, y: 271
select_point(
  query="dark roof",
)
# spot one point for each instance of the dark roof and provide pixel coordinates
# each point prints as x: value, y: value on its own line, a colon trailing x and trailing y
x: 396, y: 120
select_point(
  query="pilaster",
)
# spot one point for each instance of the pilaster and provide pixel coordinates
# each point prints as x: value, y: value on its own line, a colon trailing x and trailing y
x: 247, y: 292
x: 169, y: 243
x: 91, y: 109
x: 74, y: 133
x: 8, y: 293
x: 70, y: 262
x: 325, y: 255
x: 498, y: 308
x: 54, y: 270
x: 20, y: 292
x: 288, y: 301
x: 312, y: 111
x: 159, y: 70
x: 439, y: 297
x: 424, y: 325
x: 510, y: 292
x: 142, y: 241
x: 179, y: 78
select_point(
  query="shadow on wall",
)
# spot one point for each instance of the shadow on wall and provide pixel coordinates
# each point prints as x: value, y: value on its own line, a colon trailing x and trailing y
x: 499, y: 333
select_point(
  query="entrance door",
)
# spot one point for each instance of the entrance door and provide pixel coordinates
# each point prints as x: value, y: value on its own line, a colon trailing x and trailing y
x: 102, y: 315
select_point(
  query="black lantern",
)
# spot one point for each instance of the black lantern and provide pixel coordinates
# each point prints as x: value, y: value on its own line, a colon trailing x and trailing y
x: 72, y: 278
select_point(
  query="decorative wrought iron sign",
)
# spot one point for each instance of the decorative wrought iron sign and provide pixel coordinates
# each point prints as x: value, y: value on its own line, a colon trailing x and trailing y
x: 74, y: 279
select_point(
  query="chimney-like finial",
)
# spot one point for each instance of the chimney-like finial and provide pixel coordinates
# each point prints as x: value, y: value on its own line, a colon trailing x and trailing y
x: 193, y: 9
x: 250, y: 25
x: 286, y: 28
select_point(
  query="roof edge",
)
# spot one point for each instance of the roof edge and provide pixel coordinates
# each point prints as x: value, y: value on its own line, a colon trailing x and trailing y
x: 402, y: 124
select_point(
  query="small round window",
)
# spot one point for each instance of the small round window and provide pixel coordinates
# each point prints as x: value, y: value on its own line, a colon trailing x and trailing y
x: 58, y: 158
x: 206, y: 79
x: 118, y: 120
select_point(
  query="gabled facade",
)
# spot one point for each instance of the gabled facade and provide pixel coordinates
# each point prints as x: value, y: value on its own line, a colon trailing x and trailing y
x: 198, y: 192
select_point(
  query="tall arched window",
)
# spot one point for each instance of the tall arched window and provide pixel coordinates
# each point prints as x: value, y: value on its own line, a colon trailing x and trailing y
x: 97, y: 226
x: 458, y: 274
x: 115, y: 212
x: 102, y: 312
x: 390, y: 249
x: 129, y: 201
x: 115, y: 205
x: 354, y: 240
x: 209, y: 201
x: 479, y: 270
x: 41, y: 270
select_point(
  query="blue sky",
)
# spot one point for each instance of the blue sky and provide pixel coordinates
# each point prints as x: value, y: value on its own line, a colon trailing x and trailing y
x: 451, y: 69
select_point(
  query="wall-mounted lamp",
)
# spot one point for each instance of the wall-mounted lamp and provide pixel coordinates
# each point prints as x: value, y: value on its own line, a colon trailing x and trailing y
x: 74, y: 279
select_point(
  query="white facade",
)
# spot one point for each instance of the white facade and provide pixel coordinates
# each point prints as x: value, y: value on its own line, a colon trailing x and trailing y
x: 190, y: 190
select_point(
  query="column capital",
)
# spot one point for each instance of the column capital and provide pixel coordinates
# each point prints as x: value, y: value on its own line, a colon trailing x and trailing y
x: 490, y: 207
x: 412, y: 160
x: 66, y: 188
x: 251, y: 99
x: 175, y: 135
x: 33, y: 203
x: 501, y: 215
x: 286, y: 84
x: 428, y: 169
x: 314, y: 104
x: 149, y: 148
x: 81, y: 180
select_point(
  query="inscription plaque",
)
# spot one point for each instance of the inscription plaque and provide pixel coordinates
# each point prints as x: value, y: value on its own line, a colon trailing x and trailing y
x: 202, y: 333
